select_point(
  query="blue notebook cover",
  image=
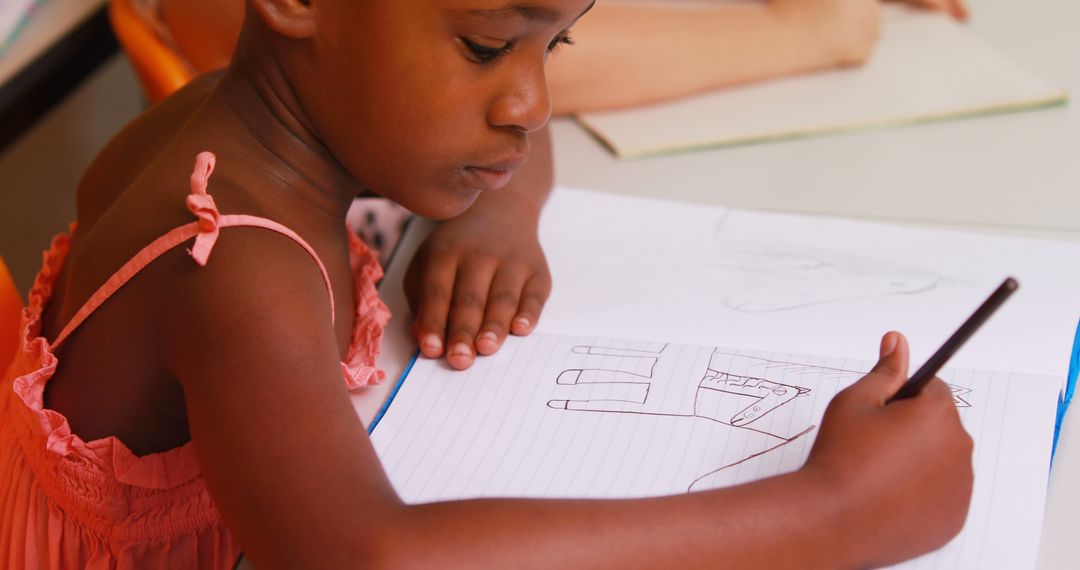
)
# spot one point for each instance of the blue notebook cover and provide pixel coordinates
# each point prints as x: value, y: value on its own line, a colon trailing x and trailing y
x: 393, y: 393
x: 1067, y: 394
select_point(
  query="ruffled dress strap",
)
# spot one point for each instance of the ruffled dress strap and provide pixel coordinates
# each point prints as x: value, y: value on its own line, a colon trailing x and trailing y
x: 371, y: 317
x: 205, y: 230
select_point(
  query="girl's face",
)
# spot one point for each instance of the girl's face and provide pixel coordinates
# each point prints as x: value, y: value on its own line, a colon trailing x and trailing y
x: 429, y: 102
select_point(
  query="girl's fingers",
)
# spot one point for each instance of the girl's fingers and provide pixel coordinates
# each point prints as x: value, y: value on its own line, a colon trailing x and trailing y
x: 533, y: 297
x: 467, y: 313
x: 888, y: 375
x: 502, y: 306
x: 433, y: 293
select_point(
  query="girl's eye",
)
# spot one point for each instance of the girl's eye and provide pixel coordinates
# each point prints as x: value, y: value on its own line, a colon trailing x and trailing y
x: 486, y: 54
x: 561, y: 39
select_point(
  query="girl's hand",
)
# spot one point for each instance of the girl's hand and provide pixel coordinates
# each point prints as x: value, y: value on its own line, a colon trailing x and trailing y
x: 900, y: 473
x: 477, y: 278
x: 482, y: 275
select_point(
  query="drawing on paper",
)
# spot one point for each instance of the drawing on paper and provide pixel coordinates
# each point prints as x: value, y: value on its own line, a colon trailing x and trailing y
x: 958, y: 393
x: 794, y: 276
x: 743, y: 400
x: 740, y: 391
x: 737, y: 390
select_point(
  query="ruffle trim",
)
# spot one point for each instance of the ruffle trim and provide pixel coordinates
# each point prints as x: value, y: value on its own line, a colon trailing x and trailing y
x: 36, y: 363
x: 165, y: 470
x: 371, y: 318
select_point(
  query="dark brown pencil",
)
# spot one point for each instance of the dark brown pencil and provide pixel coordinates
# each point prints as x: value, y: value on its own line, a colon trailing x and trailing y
x: 926, y: 373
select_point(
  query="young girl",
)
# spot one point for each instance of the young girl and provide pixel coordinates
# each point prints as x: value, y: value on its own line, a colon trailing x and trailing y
x: 179, y: 394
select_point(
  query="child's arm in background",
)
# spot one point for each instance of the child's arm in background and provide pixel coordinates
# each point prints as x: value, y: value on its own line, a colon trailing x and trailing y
x: 629, y: 53
x: 482, y: 275
x: 300, y: 486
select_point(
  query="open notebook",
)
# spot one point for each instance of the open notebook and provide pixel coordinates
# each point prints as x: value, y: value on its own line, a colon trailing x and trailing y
x: 741, y: 322
x: 926, y: 67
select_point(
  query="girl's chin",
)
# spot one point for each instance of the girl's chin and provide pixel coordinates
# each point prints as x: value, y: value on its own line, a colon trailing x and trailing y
x: 443, y: 205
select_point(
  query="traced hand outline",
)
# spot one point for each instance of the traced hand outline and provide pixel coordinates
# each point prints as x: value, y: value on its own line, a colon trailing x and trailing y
x: 739, y: 390
x: 713, y: 390
x: 806, y: 276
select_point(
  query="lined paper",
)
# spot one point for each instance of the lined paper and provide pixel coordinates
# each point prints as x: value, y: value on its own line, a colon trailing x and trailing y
x: 589, y: 417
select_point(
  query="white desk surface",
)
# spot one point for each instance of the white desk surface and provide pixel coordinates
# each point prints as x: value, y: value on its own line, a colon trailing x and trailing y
x: 1020, y: 171
x: 52, y: 20
x: 1017, y: 174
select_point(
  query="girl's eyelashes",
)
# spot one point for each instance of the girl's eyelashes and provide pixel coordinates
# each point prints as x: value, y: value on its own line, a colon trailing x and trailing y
x: 486, y: 54
x: 561, y: 39
x: 482, y: 54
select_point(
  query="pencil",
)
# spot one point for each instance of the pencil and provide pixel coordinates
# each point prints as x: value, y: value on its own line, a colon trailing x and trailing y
x: 927, y: 372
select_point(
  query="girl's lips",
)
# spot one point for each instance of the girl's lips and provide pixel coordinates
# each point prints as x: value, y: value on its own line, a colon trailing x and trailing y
x: 487, y: 178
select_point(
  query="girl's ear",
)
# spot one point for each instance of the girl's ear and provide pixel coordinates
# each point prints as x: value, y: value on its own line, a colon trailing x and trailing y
x: 294, y: 19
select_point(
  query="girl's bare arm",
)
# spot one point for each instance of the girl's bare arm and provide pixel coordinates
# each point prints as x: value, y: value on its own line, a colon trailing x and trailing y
x: 299, y: 484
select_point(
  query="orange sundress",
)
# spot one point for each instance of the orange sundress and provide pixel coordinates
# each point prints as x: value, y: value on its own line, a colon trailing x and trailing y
x: 68, y: 503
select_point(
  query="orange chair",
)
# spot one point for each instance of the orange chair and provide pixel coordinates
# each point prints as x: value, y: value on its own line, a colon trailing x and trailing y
x: 160, y: 69
x: 10, y: 313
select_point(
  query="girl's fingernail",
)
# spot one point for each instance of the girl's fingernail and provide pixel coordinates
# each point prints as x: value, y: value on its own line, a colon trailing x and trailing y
x: 489, y: 337
x: 522, y: 323
x: 888, y: 344
x: 461, y: 349
x: 432, y: 342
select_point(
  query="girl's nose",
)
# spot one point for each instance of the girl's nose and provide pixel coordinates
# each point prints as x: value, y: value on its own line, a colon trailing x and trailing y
x: 525, y: 104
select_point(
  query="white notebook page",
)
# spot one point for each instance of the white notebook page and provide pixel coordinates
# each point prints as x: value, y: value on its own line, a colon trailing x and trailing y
x: 642, y: 268
x: 562, y: 416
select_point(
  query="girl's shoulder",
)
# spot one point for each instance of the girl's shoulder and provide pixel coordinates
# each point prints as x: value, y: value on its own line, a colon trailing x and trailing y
x: 139, y: 149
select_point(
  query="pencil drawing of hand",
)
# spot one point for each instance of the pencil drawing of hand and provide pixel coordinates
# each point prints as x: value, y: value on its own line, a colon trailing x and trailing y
x: 757, y: 396
x: 733, y: 389
x: 720, y: 392
x: 793, y: 276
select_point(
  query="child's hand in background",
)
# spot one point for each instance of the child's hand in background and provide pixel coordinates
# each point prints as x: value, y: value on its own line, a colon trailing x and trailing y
x: 956, y: 8
x: 845, y: 31
x: 848, y: 30
x: 901, y: 473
